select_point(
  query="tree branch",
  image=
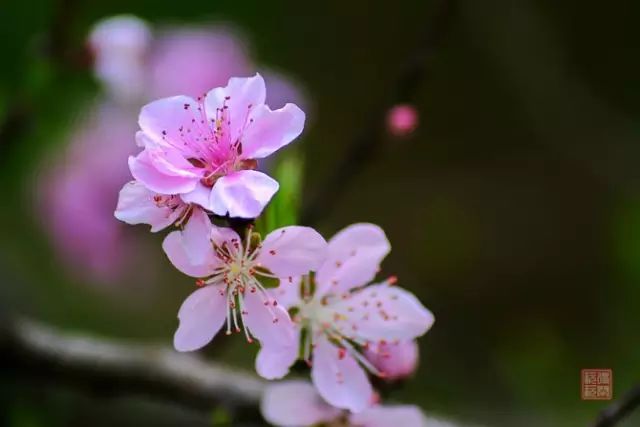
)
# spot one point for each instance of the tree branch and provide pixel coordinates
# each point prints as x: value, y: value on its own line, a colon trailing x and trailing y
x: 108, y: 367
x: 366, y: 145
x: 619, y: 409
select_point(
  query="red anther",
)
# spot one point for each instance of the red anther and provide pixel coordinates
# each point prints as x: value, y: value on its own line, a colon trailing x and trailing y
x: 392, y: 280
x: 276, y: 320
x: 237, y: 329
x: 290, y: 279
x: 200, y: 283
x: 341, y: 353
x: 266, y: 303
x: 274, y: 303
x: 249, y: 340
x: 309, y: 363
x: 272, y: 252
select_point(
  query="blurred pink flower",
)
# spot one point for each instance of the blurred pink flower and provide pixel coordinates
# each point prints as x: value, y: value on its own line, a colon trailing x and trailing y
x: 191, y: 61
x: 79, y: 193
x: 233, y: 288
x: 119, y: 45
x: 205, y: 150
x: 342, y: 310
x: 397, y: 360
x: 297, y: 404
x: 402, y: 120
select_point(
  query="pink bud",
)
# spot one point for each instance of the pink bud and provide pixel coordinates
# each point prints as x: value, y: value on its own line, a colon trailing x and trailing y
x: 394, y: 360
x: 402, y: 120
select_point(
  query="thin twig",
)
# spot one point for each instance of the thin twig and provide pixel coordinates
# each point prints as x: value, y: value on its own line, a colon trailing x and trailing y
x: 619, y: 409
x: 366, y: 145
x: 108, y: 367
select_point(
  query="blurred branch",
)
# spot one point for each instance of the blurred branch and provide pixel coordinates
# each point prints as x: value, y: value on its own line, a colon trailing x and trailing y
x: 106, y: 367
x: 365, y: 146
x: 619, y: 409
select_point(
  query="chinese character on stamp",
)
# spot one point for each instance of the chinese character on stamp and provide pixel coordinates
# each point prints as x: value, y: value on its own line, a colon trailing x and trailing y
x: 596, y: 384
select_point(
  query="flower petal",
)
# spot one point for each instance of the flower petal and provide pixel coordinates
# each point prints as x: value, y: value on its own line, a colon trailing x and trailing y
x: 392, y: 415
x: 354, y: 257
x: 339, y: 379
x: 136, y: 205
x: 240, y: 96
x: 267, y: 321
x: 199, y: 196
x: 197, y: 237
x: 396, y: 360
x: 174, y: 246
x: 274, y: 361
x: 201, y: 316
x: 295, y: 404
x: 288, y: 292
x: 292, y: 251
x: 242, y: 194
x: 166, y: 119
x: 145, y: 171
x: 383, y: 312
x: 271, y: 130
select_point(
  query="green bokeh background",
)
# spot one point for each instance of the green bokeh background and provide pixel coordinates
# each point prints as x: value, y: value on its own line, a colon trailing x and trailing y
x: 513, y: 211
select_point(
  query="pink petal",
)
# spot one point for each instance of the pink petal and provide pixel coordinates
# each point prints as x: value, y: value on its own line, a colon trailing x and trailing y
x: 196, y: 237
x: 354, y: 258
x: 385, y: 416
x: 274, y: 361
x: 244, y: 94
x: 267, y: 322
x: 288, y: 292
x: 383, y: 312
x: 339, y: 379
x: 242, y: 194
x: 174, y: 246
x: 199, y: 196
x: 165, y: 120
x: 201, y: 316
x: 223, y: 235
x: 295, y: 404
x: 137, y: 206
x: 146, y: 172
x: 271, y: 130
x: 292, y: 251
x: 396, y: 360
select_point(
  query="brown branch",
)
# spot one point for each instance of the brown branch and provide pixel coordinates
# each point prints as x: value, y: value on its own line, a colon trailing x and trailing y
x: 366, y: 145
x: 619, y: 409
x: 109, y: 367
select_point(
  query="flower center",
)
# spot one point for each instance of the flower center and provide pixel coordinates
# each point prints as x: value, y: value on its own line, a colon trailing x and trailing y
x: 236, y: 275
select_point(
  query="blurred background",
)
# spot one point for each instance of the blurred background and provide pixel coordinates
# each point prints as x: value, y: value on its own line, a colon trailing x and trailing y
x: 503, y: 167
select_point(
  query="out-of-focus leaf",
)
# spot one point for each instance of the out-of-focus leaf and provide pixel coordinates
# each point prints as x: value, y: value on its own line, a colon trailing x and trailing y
x: 284, y: 207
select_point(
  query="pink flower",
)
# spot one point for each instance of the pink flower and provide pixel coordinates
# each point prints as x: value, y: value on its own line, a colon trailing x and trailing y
x: 397, y: 360
x: 342, y: 317
x: 402, y: 120
x: 79, y: 190
x: 119, y: 45
x: 138, y: 205
x: 192, y: 60
x: 232, y: 290
x: 205, y: 150
x: 297, y: 404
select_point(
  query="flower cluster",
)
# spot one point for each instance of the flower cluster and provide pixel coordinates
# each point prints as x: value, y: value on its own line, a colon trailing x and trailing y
x: 198, y: 161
